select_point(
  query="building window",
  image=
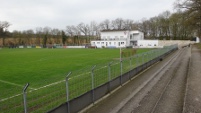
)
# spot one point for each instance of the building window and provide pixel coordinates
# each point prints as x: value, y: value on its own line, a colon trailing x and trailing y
x: 116, y: 38
x: 131, y: 36
x: 121, y: 37
x: 104, y: 37
x: 108, y: 37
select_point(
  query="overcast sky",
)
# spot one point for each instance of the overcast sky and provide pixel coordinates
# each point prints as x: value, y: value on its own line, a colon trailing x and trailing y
x: 29, y: 14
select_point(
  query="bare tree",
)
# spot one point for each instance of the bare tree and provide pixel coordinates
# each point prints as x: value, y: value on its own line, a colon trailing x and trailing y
x: 3, y: 29
x: 118, y: 24
x: 105, y: 25
x: 69, y: 30
x: 56, y: 33
x: 74, y: 33
x: 16, y: 35
x: 165, y: 24
x: 46, y: 32
x: 39, y: 32
x: 83, y: 28
x: 192, y: 8
x: 94, y: 29
x: 64, y: 37
x: 28, y: 35
x: 143, y: 26
x: 4, y: 26
x: 128, y: 24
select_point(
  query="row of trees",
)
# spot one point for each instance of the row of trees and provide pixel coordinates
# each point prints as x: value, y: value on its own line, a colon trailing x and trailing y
x: 73, y: 35
x: 192, y: 13
x: 182, y: 25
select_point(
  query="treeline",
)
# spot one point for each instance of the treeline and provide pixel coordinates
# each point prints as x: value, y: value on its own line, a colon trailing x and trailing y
x: 183, y: 24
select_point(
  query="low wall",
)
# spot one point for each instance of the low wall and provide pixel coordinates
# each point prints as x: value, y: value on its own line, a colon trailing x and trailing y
x: 180, y: 43
x: 75, y: 46
x: 162, y: 43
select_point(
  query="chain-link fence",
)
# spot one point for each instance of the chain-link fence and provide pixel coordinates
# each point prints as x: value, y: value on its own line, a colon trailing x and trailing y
x: 77, y: 83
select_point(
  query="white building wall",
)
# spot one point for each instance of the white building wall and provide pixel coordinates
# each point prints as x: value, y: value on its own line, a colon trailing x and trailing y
x: 109, y: 44
x: 114, y: 35
x: 197, y: 40
x: 118, y: 38
x: 147, y: 43
x: 136, y: 35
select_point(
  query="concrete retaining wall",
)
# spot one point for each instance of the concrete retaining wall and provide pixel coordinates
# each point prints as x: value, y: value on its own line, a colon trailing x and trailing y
x: 75, y: 46
x: 180, y: 43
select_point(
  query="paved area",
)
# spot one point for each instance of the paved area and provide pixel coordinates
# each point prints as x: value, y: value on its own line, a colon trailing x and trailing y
x: 193, y: 94
x: 170, y: 86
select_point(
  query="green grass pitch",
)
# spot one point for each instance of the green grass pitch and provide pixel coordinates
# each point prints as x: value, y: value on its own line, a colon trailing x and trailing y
x: 41, y: 67
x: 20, y: 66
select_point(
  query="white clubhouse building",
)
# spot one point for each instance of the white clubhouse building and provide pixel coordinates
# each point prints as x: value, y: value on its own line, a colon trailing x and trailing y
x: 118, y: 38
x: 132, y: 38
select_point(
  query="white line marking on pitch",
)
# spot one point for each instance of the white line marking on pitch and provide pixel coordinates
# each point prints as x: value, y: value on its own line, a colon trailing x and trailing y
x: 60, y: 81
x: 10, y: 97
x: 32, y: 89
x: 48, y: 85
x: 14, y: 84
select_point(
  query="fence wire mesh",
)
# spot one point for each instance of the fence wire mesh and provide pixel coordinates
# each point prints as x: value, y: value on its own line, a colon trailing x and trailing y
x: 48, y: 94
x: 79, y: 82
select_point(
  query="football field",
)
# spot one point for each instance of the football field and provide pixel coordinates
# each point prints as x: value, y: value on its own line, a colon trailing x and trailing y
x: 46, y: 69
x: 42, y: 67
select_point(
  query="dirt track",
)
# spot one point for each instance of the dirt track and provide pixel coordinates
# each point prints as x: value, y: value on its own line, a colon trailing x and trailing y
x: 170, y: 86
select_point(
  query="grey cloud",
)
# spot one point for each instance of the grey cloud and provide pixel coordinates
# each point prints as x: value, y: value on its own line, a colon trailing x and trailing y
x: 29, y: 14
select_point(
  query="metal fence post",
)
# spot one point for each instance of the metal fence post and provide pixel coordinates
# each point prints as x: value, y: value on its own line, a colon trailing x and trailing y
x: 146, y: 54
x: 25, y: 98
x: 67, y: 91
x: 143, y: 58
x: 130, y: 69
x: 136, y: 61
x: 92, y: 82
x: 139, y: 59
x: 109, y: 75
x: 121, y: 64
x: 152, y: 56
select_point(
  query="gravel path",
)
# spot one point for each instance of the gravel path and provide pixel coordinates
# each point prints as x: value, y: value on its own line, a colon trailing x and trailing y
x: 164, y: 88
